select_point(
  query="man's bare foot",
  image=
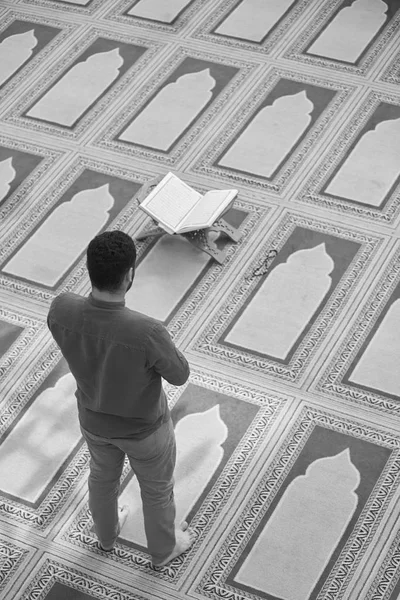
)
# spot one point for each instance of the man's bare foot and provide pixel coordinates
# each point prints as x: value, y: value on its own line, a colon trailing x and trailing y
x: 184, y: 538
x: 123, y: 512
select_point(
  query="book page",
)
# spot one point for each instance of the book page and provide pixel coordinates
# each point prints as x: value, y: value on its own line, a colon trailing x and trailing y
x: 209, y: 209
x: 171, y: 201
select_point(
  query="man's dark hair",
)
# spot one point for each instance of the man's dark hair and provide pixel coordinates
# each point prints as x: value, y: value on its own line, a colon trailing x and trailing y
x: 110, y: 255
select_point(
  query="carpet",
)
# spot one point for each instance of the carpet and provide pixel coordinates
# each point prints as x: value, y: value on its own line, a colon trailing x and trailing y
x: 288, y: 463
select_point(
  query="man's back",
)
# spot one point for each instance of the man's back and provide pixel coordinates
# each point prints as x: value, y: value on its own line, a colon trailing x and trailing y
x: 117, y: 357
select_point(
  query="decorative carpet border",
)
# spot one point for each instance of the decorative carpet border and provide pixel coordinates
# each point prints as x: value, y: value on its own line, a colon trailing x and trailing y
x: 392, y: 73
x: 133, y: 105
x: 266, y: 46
x: 38, y: 212
x: 207, y: 344
x: 11, y: 559
x: 21, y: 76
x: 86, y: 584
x: 213, y: 584
x: 20, y: 194
x: 42, y: 516
x: 388, y: 575
x: 205, y: 165
x: 21, y: 350
x: 217, y: 500
x: 295, y: 52
x: 331, y: 380
x: 117, y: 15
x: 15, y: 115
x: 311, y: 194
x: 92, y: 7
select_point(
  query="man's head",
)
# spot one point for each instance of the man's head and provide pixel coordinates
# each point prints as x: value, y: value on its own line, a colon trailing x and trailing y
x: 111, y: 260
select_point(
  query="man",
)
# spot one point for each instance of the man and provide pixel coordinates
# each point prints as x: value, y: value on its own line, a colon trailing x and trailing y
x: 118, y: 358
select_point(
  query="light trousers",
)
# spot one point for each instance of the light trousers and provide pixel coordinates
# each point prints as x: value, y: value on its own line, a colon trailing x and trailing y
x: 152, y: 459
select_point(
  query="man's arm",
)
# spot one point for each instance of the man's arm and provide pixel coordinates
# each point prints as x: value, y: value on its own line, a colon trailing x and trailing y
x: 50, y: 313
x: 165, y: 358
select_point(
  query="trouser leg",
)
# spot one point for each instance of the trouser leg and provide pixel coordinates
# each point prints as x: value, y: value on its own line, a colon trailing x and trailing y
x: 106, y: 464
x: 153, y: 461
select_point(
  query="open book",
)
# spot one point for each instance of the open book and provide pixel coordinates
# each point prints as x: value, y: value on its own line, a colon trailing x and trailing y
x: 178, y: 208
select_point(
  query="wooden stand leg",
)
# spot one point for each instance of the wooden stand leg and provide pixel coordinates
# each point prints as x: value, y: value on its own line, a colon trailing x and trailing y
x: 201, y: 239
x: 231, y: 232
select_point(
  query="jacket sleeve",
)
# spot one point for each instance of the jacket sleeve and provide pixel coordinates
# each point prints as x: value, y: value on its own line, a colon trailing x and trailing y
x: 164, y: 357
